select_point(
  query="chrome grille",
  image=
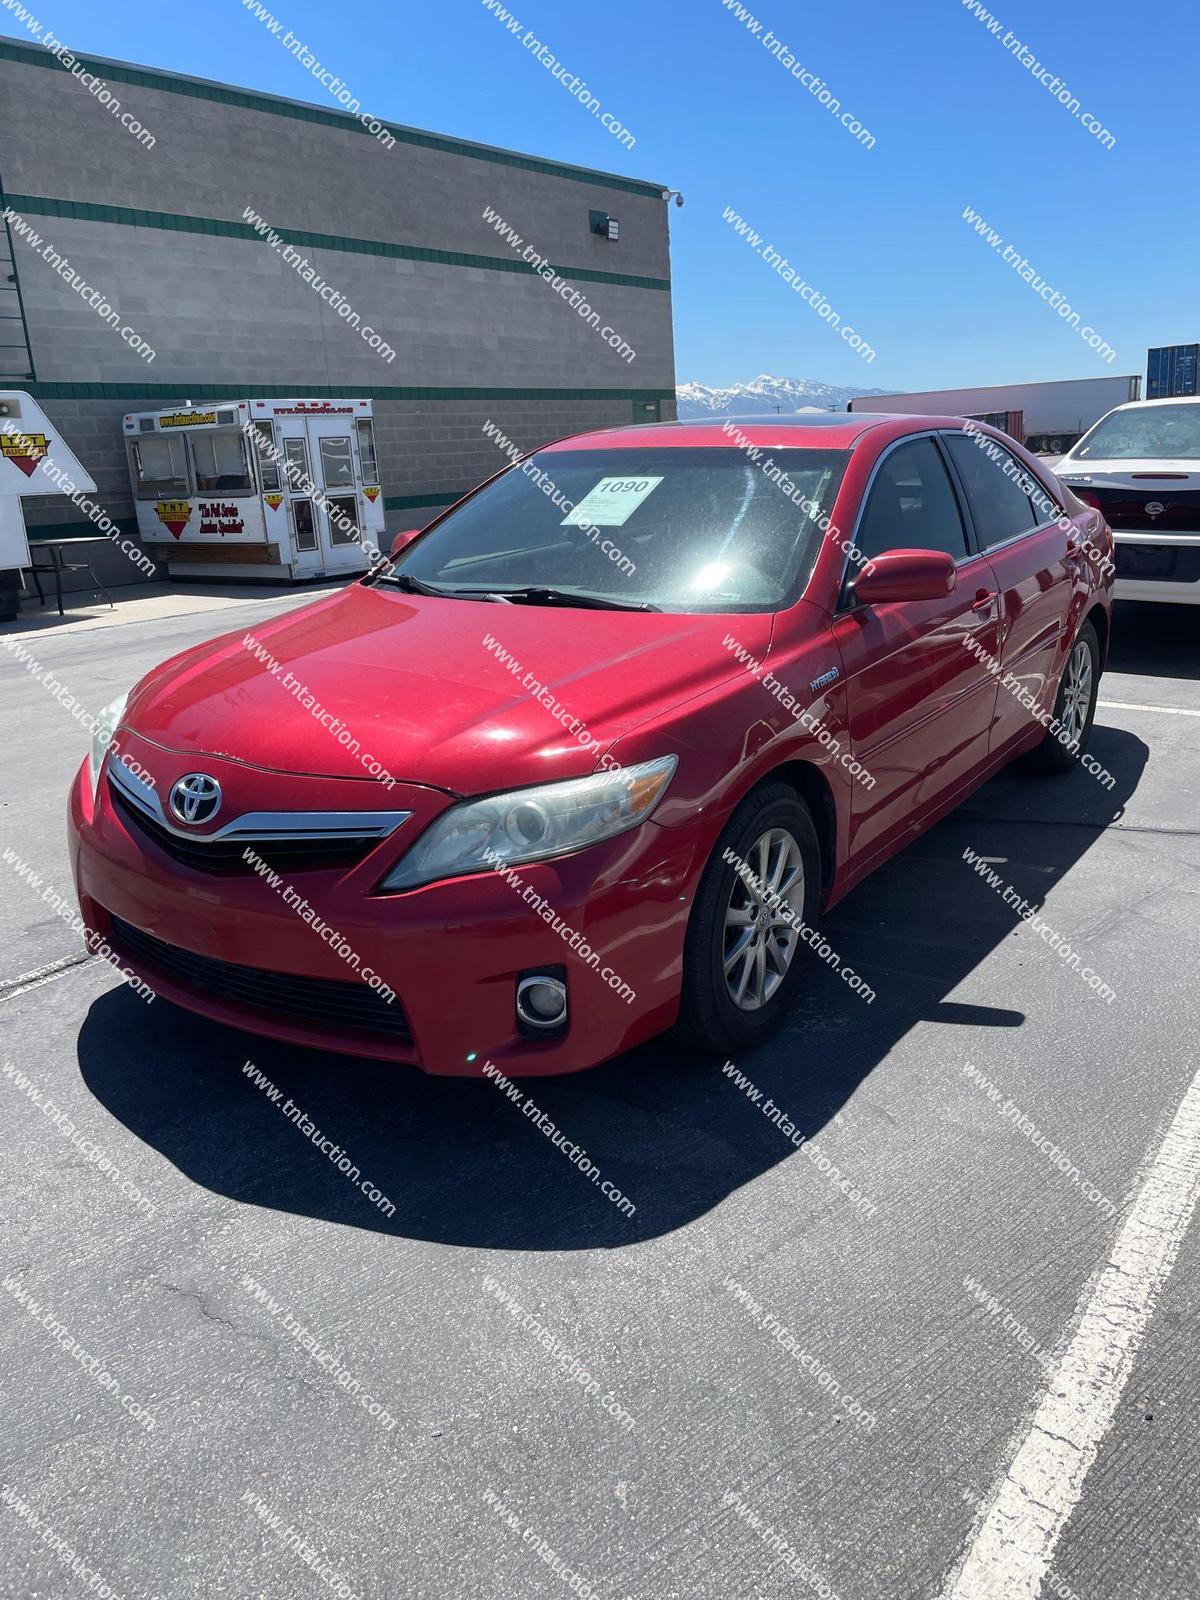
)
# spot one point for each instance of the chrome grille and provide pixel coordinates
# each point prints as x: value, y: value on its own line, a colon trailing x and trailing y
x: 293, y: 840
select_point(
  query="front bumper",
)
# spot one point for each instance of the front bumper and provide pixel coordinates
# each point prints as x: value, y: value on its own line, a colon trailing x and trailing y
x: 613, y: 915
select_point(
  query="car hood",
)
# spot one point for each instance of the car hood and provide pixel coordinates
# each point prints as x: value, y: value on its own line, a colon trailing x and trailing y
x: 462, y: 695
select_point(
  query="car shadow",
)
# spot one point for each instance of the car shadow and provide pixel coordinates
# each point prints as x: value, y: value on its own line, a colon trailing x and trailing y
x: 462, y: 1165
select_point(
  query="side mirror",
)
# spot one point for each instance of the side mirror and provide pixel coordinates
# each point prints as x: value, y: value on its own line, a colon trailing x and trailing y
x: 906, y: 575
x: 402, y: 540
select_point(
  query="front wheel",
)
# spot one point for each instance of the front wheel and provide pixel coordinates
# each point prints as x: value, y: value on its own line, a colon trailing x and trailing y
x: 757, y: 899
x: 1075, y: 707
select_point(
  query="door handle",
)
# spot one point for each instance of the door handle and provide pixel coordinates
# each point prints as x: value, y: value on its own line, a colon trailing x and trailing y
x: 983, y: 602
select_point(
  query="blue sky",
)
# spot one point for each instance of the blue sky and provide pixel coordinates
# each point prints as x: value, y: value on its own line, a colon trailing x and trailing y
x: 957, y: 120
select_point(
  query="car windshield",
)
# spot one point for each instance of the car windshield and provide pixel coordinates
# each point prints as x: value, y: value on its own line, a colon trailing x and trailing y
x: 1170, y: 433
x: 680, y: 529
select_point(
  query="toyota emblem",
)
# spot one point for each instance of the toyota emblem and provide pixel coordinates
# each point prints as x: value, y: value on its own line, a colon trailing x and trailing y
x: 1155, y: 508
x: 195, y: 798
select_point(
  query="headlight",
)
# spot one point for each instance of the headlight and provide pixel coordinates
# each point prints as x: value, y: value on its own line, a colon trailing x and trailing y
x: 106, y: 725
x: 533, y: 824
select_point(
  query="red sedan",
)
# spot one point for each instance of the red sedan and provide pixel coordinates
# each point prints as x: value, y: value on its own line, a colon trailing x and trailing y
x: 589, y: 757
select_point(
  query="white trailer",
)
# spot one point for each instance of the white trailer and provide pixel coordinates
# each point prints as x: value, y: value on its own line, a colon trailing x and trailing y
x: 284, y: 488
x: 34, y: 460
x: 1055, y: 414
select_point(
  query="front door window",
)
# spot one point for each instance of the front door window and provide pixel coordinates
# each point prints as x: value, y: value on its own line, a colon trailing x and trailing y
x: 911, y: 506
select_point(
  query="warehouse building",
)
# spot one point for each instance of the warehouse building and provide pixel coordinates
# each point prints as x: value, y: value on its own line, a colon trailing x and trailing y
x: 197, y: 242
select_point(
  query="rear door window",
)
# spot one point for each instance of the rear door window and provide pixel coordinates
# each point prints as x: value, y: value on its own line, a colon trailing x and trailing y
x: 998, y: 489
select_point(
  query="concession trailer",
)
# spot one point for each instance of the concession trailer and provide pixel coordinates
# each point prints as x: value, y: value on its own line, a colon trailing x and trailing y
x: 282, y: 489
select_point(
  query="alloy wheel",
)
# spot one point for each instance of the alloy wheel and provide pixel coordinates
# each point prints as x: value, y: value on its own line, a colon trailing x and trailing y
x: 763, y: 918
x: 1077, y: 695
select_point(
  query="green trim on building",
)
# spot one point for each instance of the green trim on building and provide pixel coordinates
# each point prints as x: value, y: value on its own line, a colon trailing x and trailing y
x: 128, y: 217
x: 412, y: 502
x: 178, y: 392
x: 254, y: 100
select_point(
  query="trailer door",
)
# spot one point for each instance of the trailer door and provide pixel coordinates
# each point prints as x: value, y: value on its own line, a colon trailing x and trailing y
x: 342, y: 514
x: 301, y: 501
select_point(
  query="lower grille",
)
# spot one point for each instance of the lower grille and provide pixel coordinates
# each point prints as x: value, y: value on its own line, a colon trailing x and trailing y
x: 322, y: 1002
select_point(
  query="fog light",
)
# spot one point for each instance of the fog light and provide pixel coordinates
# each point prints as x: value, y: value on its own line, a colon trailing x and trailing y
x: 542, y: 1001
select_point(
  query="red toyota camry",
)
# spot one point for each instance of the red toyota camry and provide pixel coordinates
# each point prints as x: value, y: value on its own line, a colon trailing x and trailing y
x: 588, y: 758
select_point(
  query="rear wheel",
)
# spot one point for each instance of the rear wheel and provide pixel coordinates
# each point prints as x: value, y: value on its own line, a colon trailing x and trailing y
x: 1074, y: 710
x: 745, y: 942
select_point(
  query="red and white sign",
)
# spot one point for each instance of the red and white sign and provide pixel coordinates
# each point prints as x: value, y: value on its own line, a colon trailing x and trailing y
x: 173, y: 514
x: 221, y: 516
x: 25, y: 450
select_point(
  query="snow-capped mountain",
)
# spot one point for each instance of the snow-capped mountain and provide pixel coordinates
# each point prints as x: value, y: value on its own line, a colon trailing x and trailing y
x: 764, y: 396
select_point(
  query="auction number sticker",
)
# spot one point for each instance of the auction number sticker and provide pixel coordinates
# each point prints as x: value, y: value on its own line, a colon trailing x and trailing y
x: 611, y: 503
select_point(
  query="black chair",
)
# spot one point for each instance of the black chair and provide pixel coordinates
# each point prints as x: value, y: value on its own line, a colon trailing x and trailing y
x: 56, y: 566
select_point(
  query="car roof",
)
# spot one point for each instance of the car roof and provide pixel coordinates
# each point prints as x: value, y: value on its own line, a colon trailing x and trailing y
x: 807, y: 430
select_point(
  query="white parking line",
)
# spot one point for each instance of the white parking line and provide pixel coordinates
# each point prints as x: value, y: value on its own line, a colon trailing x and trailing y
x: 1010, y: 1552
x: 1128, y: 705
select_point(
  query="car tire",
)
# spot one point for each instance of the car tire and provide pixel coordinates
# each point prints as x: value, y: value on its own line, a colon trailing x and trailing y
x: 1075, y: 708
x: 772, y: 825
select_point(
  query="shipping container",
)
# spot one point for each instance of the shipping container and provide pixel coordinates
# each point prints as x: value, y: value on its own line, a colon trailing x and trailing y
x: 1172, y: 369
x: 1010, y: 422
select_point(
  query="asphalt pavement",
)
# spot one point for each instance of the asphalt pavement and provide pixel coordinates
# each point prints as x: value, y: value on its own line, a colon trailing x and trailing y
x: 258, y: 1381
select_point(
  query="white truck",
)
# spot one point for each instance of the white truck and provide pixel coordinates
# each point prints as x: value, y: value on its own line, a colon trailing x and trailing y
x: 1046, y: 418
x: 282, y: 488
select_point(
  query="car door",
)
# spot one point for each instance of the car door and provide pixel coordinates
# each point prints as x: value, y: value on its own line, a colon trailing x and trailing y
x: 1015, y: 523
x: 919, y: 702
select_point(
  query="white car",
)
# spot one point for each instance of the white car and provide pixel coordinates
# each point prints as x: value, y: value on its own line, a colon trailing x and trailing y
x: 1140, y: 467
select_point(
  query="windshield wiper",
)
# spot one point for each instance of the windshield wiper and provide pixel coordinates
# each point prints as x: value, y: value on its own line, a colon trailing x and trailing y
x: 536, y: 595
x: 411, y: 585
